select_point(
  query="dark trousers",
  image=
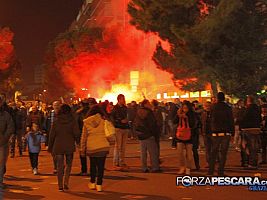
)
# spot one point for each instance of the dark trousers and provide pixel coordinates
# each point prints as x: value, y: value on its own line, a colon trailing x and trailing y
x: 97, y: 166
x: 220, y: 144
x: 207, y: 142
x: 249, y: 150
x: 16, y: 137
x: 61, y: 167
x: 157, y: 139
x: 264, y: 146
x: 195, y: 142
x: 34, y: 159
x: 83, y: 160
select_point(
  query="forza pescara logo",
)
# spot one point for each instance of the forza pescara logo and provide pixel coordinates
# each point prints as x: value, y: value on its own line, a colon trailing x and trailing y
x: 254, y: 183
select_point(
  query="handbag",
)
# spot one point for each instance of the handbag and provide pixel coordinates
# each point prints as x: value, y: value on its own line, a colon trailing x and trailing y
x: 109, y: 130
x: 183, y: 130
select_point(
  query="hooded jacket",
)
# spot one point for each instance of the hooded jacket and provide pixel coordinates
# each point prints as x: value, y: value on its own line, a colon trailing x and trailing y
x: 6, y: 127
x: 94, y: 141
x: 146, y: 124
x: 63, y: 135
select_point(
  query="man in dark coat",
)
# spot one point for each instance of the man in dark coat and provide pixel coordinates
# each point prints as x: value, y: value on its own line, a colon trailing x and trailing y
x: 222, y: 127
x: 147, y: 132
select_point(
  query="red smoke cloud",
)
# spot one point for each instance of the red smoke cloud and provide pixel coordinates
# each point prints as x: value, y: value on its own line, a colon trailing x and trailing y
x: 6, y: 47
x: 124, y: 49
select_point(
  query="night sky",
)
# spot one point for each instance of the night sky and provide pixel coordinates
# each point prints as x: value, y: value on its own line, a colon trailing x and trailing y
x: 35, y: 23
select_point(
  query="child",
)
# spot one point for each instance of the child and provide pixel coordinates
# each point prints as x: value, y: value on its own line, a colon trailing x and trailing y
x: 34, y: 140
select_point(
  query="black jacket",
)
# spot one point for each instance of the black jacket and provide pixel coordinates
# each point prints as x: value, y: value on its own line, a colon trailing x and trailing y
x: 63, y: 135
x: 118, y: 114
x: 222, y: 120
x: 252, y: 117
x: 146, y: 124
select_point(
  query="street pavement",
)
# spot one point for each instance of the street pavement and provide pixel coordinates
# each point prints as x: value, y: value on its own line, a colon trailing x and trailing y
x: 126, y: 185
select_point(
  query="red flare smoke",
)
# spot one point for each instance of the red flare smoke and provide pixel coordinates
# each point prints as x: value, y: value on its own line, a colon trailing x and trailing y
x: 124, y: 49
x: 6, y: 47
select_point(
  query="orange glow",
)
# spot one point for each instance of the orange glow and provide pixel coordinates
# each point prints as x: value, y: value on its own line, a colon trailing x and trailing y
x: 121, y: 89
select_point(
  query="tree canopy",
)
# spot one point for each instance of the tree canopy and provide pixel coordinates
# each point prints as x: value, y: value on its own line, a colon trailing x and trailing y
x: 217, y: 42
x: 10, y: 66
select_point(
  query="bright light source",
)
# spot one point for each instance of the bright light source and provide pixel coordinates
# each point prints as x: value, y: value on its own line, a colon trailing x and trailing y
x: 158, y: 96
x: 205, y: 93
x: 185, y: 96
x: 165, y: 96
x: 194, y: 94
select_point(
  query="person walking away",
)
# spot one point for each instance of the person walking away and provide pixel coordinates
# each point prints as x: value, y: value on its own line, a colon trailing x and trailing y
x: 250, y: 127
x: 120, y: 121
x: 147, y: 131
x: 187, y: 120
x: 63, y: 135
x: 50, y: 119
x: 6, y: 129
x: 81, y: 115
x: 222, y: 127
x: 34, y: 140
x: 95, y: 145
x: 206, y: 130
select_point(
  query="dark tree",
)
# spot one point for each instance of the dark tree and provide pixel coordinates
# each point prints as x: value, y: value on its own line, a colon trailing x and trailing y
x: 220, y: 42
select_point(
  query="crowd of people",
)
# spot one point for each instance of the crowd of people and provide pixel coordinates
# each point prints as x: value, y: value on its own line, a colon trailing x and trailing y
x: 63, y: 128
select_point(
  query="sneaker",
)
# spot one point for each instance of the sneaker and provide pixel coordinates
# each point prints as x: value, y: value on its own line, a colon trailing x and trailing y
x: 35, y: 171
x: 99, y: 188
x: 66, y: 187
x: 181, y: 171
x: 92, y: 186
x: 187, y: 171
x: 174, y: 148
x: 55, y: 171
x: 61, y: 190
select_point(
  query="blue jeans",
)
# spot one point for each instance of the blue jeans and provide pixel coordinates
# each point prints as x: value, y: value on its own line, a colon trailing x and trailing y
x: 249, y: 150
x: 219, y: 145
